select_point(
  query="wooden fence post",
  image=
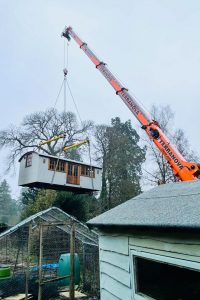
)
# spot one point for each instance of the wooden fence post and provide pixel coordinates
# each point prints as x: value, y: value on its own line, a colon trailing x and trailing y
x: 40, y: 264
x: 28, y: 260
x: 72, y: 268
x: 84, y: 265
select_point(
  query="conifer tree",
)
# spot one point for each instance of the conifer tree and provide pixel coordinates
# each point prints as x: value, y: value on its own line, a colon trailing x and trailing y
x: 122, y: 158
x: 8, y: 206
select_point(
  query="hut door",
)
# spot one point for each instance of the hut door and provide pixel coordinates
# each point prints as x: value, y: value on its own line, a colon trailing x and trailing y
x: 73, y: 174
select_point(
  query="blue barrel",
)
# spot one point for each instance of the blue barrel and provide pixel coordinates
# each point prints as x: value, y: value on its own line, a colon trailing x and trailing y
x: 64, y: 269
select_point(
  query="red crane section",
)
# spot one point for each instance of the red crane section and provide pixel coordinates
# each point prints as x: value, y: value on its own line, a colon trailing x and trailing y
x: 182, y: 169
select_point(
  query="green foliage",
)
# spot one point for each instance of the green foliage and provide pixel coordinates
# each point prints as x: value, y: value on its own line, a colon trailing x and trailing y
x: 75, y: 205
x: 39, y: 200
x: 122, y: 159
x: 78, y: 206
x: 3, y: 227
x: 8, y: 206
x: 28, y: 194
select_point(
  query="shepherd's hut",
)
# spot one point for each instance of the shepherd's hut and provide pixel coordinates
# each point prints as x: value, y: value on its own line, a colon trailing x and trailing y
x: 47, y: 171
x: 150, y: 245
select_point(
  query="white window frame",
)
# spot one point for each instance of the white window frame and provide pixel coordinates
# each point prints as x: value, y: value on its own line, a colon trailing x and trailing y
x: 159, y: 258
x: 29, y: 160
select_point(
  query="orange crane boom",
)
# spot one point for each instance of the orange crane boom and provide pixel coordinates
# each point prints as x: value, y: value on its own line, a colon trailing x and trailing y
x: 182, y: 169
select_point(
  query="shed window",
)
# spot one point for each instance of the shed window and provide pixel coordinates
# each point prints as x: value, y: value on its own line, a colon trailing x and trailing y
x: 163, y: 281
x: 54, y: 164
x: 28, y: 160
x: 87, y: 171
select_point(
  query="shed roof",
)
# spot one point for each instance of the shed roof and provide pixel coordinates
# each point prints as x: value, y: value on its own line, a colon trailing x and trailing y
x: 175, y: 205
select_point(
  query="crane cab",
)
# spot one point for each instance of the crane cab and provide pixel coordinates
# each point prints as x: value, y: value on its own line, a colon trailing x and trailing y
x: 47, y: 171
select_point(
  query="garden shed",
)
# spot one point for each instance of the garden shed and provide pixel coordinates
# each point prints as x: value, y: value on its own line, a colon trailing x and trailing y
x: 34, y: 249
x: 150, y: 245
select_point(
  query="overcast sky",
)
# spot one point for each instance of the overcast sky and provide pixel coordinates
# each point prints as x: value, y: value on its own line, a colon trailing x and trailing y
x: 153, y: 46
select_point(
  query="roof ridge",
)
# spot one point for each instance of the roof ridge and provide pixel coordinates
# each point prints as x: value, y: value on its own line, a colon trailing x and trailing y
x: 166, y: 196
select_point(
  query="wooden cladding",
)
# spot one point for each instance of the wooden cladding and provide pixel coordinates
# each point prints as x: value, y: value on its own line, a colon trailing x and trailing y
x: 73, y: 174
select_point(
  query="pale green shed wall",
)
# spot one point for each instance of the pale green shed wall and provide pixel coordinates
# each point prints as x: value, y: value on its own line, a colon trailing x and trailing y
x: 116, y: 278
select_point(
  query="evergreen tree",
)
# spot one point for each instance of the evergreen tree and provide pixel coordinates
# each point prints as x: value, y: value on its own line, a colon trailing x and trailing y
x: 73, y: 204
x: 8, y: 206
x: 122, y: 159
x: 28, y: 195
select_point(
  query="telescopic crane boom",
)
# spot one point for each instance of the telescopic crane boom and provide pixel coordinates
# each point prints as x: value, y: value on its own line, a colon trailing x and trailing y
x: 182, y: 169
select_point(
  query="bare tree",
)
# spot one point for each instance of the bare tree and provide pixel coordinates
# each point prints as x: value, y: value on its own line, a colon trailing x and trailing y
x: 42, y: 126
x: 158, y: 171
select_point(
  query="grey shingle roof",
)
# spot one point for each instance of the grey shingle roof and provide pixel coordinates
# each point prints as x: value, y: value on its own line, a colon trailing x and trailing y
x: 175, y: 205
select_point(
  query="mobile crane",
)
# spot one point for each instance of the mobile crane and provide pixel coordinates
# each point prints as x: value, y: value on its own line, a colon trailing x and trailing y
x: 182, y: 169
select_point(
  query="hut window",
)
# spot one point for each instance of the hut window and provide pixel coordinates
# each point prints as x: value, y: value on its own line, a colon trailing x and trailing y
x: 29, y: 160
x: 54, y: 164
x: 86, y: 171
x: 161, y: 280
x: 70, y: 169
x: 73, y: 170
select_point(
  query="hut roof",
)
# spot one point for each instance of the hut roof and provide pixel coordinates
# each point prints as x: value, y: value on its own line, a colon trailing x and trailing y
x: 60, y: 158
x: 169, y: 206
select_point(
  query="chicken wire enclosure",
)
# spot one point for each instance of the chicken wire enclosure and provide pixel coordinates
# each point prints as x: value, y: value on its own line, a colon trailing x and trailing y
x: 20, y: 250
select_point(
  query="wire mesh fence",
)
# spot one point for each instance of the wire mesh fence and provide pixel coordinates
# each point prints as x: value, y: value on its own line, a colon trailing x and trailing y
x: 34, y: 260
